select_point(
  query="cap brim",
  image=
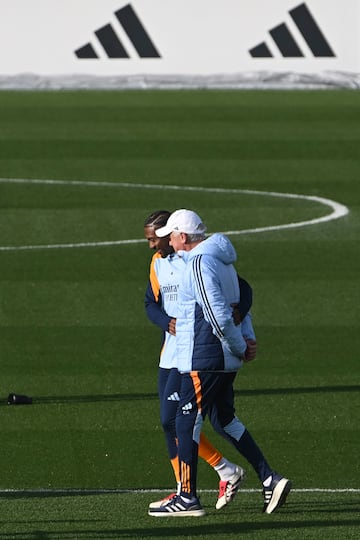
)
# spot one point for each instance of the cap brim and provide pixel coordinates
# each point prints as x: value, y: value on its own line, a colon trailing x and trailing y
x: 163, y: 231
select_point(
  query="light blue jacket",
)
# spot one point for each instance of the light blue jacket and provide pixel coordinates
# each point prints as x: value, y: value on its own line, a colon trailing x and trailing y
x: 206, y: 336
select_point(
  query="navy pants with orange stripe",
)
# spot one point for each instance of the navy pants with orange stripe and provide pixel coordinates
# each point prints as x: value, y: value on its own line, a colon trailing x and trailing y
x: 211, y: 394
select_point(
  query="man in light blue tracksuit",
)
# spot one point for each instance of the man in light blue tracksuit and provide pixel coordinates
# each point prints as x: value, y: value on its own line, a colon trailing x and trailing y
x: 166, y: 270
x: 210, y: 349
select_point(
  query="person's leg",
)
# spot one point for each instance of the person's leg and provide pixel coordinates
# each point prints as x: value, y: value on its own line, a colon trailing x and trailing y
x: 221, y: 465
x: 198, y: 390
x: 169, y: 392
x: 169, y: 388
x: 188, y: 428
x: 189, y: 421
x: 223, y: 418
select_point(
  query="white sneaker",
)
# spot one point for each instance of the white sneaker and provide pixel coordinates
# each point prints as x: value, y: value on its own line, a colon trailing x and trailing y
x: 229, y: 488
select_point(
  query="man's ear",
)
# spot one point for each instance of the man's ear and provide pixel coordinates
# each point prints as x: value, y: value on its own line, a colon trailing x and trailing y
x: 184, y: 238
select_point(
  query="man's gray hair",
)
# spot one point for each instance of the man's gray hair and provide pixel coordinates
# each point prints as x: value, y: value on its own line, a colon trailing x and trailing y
x: 196, y: 237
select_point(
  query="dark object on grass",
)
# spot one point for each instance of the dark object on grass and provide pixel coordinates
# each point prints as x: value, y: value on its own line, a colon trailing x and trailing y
x: 17, y: 399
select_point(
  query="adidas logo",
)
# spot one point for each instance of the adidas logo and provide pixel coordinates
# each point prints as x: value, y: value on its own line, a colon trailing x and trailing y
x: 187, y: 408
x: 110, y: 41
x: 286, y: 42
x: 174, y: 397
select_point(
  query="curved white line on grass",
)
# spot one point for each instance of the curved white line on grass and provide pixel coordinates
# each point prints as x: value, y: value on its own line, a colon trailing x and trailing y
x: 337, y: 210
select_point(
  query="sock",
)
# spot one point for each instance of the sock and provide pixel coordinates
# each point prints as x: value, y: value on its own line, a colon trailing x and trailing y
x: 225, y: 469
x: 208, y: 452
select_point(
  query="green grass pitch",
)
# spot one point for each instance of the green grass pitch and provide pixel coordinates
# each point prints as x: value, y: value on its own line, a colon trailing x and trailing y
x: 74, y: 335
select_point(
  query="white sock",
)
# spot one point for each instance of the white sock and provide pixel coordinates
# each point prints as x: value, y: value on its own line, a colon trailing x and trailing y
x: 225, y: 469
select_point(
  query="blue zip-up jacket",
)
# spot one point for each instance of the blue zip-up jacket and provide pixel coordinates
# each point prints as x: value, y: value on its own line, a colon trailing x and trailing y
x: 206, y: 336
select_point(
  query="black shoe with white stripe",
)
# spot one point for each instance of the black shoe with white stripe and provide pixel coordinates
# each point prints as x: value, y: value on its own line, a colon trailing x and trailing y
x: 178, y: 506
x: 275, y: 494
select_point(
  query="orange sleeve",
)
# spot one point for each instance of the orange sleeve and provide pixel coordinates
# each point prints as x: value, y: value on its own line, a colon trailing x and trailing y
x: 155, y: 285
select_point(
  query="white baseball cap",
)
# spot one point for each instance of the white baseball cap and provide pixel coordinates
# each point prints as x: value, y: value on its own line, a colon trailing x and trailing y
x: 185, y: 221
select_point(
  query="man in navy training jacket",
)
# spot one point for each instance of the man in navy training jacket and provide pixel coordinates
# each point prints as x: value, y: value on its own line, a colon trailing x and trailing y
x: 210, y: 349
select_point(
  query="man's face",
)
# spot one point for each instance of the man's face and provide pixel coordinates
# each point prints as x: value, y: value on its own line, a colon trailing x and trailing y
x: 161, y: 245
x: 177, y: 240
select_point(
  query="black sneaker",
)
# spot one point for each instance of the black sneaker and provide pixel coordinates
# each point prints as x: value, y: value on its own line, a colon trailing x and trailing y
x: 178, y: 507
x: 275, y: 495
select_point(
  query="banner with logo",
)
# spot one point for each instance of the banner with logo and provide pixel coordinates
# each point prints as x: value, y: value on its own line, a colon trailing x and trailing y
x: 174, y: 39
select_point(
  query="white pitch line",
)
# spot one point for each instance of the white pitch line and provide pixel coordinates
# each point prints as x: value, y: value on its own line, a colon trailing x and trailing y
x: 101, y: 491
x: 338, y: 210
